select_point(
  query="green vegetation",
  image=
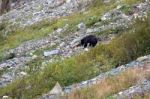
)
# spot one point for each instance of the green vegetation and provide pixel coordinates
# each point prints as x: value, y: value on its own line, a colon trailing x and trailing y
x: 123, y: 49
x: 127, y: 9
x: 127, y: 47
x: 130, y: 2
x: 34, y: 65
x: 2, y: 31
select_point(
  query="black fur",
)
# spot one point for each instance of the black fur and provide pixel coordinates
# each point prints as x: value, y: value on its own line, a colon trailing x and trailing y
x: 90, y: 40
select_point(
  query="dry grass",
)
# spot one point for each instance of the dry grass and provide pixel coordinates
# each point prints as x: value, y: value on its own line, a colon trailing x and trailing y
x: 113, y: 85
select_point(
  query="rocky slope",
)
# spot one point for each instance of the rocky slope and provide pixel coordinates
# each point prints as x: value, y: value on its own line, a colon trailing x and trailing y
x: 30, y: 12
x: 139, y: 63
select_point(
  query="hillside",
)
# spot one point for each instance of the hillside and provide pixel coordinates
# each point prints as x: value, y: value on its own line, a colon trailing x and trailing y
x: 38, y: 49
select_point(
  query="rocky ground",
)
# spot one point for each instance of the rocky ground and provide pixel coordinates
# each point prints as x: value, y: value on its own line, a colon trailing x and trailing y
x: 65, y: 46
x: 28, y: 13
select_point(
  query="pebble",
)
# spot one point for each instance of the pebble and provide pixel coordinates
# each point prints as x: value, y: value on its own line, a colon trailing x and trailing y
x: 23, y: 73
x: 86, y: 49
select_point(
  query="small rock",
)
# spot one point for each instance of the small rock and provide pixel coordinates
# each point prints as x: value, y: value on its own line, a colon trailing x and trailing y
x: 106, y: 16
x: 62, y: 44
x: 120, y: 93
x: 81, y: 26
x: 97, y: 24
x: 86, y: 49
x: 90, y: 30
x: 34, y: 56
x: 119, y: 6
x: 5, y: 97
x: 106, y: 1
x: 56, y: 90
x: 140, y: 59
x: 31, y: 54
x: 23, y: 73
x: 53, y: 44
x: 59, y: 30
x: 53, y: 52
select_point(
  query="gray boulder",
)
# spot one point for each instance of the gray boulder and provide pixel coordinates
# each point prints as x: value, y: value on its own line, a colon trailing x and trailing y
x: 53, y: 52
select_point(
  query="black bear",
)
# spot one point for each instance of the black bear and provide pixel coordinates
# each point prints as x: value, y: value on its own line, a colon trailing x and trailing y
x: 89, y: 40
